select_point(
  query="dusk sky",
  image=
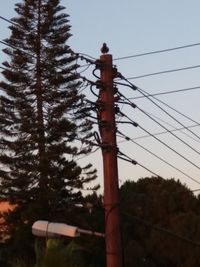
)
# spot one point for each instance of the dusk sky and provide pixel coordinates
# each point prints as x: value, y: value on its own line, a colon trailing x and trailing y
x: 133, y: 27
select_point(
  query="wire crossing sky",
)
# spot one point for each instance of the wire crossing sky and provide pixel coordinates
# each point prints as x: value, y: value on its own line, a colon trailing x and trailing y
x: 166, y: 35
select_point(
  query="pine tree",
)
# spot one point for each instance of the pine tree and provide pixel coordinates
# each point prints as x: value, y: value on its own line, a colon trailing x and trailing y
x: 40, y: 115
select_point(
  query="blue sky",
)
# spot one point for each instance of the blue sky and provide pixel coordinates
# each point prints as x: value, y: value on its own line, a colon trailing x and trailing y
x: 130, y: 27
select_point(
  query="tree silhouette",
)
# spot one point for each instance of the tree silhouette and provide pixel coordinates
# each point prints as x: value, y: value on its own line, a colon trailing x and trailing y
x: 40, y: 117
x: 161, y: 223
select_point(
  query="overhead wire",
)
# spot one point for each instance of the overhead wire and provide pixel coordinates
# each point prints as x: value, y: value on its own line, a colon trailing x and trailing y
x: 81, y: 55
x: 125, y: 57
x: 163, y: 72
x: 177, y: 111
x: 167, y: 123
x: 33, y: 56
x: 134, y: 162
x: 133, y: 123
x: 158, y: 51
x: 184, y: 127
x: 14, y: 47
x: 94, y: 58
x: 92, y: 152
x: 167, y: 92
x: 11, y: 22
x: 174, y: 128
x: 164, y: 230
x: 91, y: 144
x: 164, y: 132
x: 161, y: 125
x: 195, y: 190
x: 92, y: 91
x: 86, y: 68
x: 86, y: 55
x: 144, y: 93
x: 83, y: 86
x: 158, y: 157
x: 2, y: 68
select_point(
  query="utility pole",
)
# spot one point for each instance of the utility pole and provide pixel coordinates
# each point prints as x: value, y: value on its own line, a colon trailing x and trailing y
x: 107, y: 127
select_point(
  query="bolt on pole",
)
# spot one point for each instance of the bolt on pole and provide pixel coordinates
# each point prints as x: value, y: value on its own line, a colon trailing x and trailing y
x: 107, y: 128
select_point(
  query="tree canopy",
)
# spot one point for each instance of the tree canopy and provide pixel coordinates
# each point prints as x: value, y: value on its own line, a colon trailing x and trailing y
x: 161, y: 223
x: 41, y: 117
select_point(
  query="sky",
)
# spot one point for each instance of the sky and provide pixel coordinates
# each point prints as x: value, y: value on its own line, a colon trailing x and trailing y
x: 131, y: 27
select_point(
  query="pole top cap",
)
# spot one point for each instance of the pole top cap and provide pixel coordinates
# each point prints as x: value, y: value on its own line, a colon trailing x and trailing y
x: 104, y: 49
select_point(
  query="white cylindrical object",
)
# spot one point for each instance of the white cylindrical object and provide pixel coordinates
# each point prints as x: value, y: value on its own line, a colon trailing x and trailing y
x: 48, y: 229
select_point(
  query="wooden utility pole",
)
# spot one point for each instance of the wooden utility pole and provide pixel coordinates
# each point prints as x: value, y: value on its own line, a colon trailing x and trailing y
x: 107, y: 129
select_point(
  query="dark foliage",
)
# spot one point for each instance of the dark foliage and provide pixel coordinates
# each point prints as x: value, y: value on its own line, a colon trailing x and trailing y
x: 41, y: 118
x: 161, y: 224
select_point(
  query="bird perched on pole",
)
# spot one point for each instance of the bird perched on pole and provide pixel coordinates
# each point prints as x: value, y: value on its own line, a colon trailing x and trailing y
x: 104, y: 49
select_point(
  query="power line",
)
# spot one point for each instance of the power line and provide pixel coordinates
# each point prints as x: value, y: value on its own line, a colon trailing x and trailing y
x: 135, y: 88
x: 125, y: 57
x: 144, y: 93
x: 33, y: 56
x: 158, y: 51
x: 164, y: 230
x: 90, y: 144
x: 2, y: 68
x: 174, y: 128
x: 86, y: 55
x: 86, y: 68
x: 177, y: 111
x: 173, y: 134
x: 195, y: 190
x: 92, y: 152
x: 163, y: 72
x: 168, y: 92
x: 89, y: 59
x: 11, y: 22
x: 14, y: 47
x: 156, y: 138
x: 132, y: 161
x: 161, y: 125
x: 155, y: 155
x: 80, y: 55
x: 164, y: 132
